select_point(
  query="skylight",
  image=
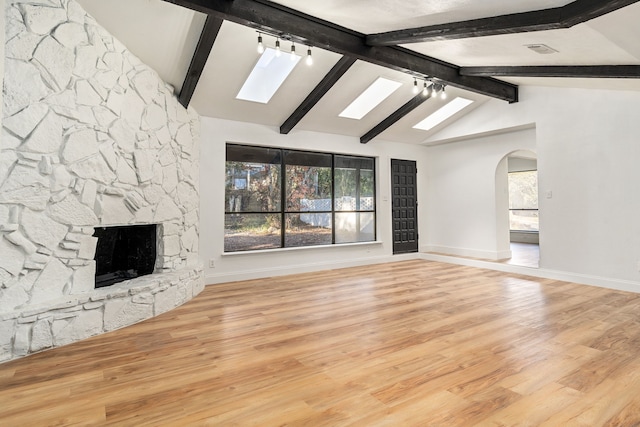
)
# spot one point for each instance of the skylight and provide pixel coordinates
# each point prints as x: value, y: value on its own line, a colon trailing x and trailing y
x: 443, y: 113
x: 267, y: 76
x: 370, y: 98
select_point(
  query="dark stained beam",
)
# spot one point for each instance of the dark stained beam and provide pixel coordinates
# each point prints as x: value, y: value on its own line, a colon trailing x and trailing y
x: 207, y: 38
x: 581, y: 11
x: 317, y: 93
x: 273, y: 18
x: 540, y: 20
x: 411, y: 105
x: 576, y: 71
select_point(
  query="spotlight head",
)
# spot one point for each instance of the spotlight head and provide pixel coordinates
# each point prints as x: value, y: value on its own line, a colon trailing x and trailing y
x: 309, y: 60
x: 260, y: 44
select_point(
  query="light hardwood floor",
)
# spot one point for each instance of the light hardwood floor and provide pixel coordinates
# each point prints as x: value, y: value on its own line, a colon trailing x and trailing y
x: 524, y: 255
x: 409, y: 343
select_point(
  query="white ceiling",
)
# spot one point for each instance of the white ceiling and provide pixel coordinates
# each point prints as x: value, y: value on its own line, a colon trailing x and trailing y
x: 164, y: 36
x: 376, y: 16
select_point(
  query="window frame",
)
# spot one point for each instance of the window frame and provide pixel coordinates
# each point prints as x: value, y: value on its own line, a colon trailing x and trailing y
x: 523, y: 209
x: 284, y: 210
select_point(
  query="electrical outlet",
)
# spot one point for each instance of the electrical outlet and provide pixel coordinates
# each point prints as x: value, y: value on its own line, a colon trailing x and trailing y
x: 212, y: 264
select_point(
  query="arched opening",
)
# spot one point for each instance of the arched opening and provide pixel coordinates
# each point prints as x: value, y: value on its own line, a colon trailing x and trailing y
x: 517, y: 231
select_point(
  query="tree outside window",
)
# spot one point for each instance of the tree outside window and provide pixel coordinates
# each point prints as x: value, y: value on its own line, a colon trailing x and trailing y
x: 287, y: 198
x: 523, y: 201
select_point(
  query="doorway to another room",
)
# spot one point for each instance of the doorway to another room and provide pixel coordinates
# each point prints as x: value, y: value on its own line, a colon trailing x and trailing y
x: 524, y: 227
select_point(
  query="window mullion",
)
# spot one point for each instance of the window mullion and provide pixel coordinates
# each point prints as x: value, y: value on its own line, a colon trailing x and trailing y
x: 333, y: 200
x: 283, y: 197
x: 358, y: 188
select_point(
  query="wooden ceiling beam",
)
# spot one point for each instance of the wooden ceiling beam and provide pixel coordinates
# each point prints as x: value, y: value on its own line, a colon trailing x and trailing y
x: 411, y: 105
x: 539, y: 20
x: 575, y: 71
x: 205, y: 44
x: 581, y: 11
x: 332, y: 77
x: 273, y: 18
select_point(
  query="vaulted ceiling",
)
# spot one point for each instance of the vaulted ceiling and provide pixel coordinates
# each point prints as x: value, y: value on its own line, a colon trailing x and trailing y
x: 207, y: 48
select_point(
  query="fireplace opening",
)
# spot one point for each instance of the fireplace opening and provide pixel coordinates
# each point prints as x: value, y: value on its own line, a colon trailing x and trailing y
x: 124, y: 252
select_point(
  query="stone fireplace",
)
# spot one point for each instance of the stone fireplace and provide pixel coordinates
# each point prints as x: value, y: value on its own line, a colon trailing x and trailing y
x: 124, y: 252
x: 91, y: 137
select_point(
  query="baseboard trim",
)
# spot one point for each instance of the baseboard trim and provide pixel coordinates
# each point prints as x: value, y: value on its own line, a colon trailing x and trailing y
x: 583, y: 279
x: 261, y: 273
x: 470, y: 253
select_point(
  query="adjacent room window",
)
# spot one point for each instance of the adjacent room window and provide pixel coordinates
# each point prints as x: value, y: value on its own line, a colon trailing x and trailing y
x: 278, y: 198
x: 523, y: 201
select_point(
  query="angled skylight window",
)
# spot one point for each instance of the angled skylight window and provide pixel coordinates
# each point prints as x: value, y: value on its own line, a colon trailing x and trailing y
x: 370, y: 98
x: 267, y: 76
x: 443, y: 113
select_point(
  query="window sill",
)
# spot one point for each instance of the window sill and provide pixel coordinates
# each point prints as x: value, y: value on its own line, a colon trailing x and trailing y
x: 302, y: 248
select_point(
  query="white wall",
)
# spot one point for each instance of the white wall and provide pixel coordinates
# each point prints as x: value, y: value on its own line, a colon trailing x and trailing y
x: 215, y: 133
x: 462, y: 204
x: 588, y: 152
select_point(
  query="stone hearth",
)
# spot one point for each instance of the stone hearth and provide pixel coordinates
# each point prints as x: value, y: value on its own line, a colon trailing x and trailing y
x: 91, y: 136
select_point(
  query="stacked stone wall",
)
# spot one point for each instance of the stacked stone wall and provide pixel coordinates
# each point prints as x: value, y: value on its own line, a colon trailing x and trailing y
x: 91, y: 137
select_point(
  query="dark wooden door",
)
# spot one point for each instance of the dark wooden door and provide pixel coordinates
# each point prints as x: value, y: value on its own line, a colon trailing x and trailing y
x: 404, y: 206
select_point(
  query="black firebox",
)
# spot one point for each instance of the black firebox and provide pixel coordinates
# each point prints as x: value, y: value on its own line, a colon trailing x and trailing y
x: 124, y: 252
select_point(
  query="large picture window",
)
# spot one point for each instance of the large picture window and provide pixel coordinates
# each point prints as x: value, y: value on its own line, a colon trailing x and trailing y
x: 523, y: 201
x: 277, y: 198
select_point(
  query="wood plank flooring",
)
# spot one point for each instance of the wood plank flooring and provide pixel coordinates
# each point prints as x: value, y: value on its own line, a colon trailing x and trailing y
x: 524, y: 255
x: 409, y: 343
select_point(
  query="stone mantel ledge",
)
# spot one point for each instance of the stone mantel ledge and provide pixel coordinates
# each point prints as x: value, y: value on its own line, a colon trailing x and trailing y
x: 76, y: 317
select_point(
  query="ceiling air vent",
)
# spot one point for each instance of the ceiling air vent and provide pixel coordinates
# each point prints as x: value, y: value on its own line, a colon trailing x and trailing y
x: 542, y: 49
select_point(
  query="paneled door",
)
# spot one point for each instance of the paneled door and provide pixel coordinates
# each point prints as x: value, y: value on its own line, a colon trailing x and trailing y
x: 404, y: 206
